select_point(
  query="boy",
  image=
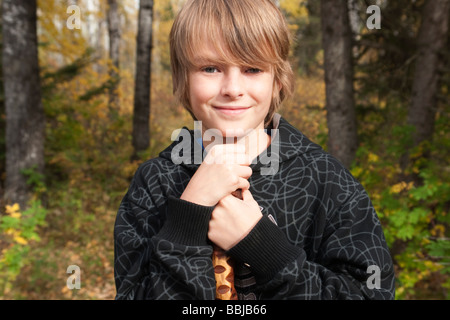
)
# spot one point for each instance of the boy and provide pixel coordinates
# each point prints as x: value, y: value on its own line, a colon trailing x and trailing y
x: 302, y: 227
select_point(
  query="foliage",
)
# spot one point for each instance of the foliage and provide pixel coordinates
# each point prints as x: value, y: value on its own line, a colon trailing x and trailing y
x: 18, y: 230
x: 88, y: 167
x: 412, y: 201
x: 414, y: 215
x: 88, y: 147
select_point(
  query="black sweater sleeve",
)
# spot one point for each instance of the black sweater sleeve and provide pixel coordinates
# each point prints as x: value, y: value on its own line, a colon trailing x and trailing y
x: 351, y: 260
x: 162, y: 260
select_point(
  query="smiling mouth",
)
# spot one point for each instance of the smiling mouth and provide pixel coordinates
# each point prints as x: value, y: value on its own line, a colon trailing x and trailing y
x: 232, y: 110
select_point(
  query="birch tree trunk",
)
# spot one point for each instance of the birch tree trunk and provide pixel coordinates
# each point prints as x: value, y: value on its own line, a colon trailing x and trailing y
x: 25, y: 122
x: 114, y: 54
x: 337, y: 45
x: 141, y: 115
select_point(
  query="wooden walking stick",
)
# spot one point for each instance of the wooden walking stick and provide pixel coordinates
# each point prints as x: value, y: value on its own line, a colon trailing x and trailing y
x: 224, y: 274
x: 224, y: 270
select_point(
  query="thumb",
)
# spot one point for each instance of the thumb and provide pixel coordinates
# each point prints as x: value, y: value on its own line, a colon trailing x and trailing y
x: 247, y: 195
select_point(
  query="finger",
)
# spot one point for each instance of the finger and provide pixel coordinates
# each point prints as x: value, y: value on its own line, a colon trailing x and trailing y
x: 243, y: 184
x: 224, y: 202
x: 243, y: 171
x: 232, y: 153
x: 247, y: 195
x: 228, y: 158
x: 233, y: 158
x: 220, y: 149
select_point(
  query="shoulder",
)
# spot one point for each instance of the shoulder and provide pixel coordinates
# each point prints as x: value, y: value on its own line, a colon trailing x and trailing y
x: 332, y: 172
x: 294, y: 145
x: 155, y: 167
x: 326, y: 165
x: 157, y: 179
x: 319, y: 171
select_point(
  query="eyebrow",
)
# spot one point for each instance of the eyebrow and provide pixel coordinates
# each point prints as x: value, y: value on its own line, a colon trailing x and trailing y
x: 202, y: 60
x: 199, y: 61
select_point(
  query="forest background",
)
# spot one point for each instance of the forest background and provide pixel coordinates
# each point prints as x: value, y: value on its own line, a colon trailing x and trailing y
x: 387, y: 90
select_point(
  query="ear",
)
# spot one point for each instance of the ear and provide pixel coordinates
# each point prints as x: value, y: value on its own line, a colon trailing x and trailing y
x: 277, y: 86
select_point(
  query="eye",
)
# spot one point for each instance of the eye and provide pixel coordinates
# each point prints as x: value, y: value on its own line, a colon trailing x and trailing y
x: 210, y: 69
x: 253, y: 70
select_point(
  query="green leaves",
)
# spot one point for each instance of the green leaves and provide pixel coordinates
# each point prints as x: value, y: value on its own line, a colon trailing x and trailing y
x: 18, y: 230
x: 412, y: 203
x: 440, y: 249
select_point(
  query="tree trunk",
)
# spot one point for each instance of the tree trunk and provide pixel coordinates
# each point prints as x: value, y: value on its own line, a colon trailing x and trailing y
x: 431, y: 45
x: 25, y: 122
x: 337, y: 45
x: 141, y: 115
x: 114, y: 54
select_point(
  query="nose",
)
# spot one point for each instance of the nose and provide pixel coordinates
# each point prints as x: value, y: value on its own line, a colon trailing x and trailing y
x: 233, y: 84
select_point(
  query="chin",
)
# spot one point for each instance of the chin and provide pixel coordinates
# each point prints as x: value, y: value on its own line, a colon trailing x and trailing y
x: 235, y: 129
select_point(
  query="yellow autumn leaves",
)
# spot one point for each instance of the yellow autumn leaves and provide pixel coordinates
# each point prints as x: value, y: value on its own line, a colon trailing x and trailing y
x: 18, y: 232
x: 14, y: 212
x: 402, y: 186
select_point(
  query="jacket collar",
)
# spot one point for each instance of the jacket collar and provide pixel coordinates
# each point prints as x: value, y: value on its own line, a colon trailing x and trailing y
x: 287, y: 143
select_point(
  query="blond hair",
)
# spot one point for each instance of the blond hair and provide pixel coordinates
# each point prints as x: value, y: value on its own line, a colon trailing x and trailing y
x: 243, y: 32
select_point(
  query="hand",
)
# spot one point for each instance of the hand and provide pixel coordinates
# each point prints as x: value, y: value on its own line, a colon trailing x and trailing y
x: 233, y: 219
x: 225, y: 169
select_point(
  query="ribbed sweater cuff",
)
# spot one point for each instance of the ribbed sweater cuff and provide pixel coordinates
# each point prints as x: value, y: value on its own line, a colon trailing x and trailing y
x: 266, y: 249
x: 186, y: 223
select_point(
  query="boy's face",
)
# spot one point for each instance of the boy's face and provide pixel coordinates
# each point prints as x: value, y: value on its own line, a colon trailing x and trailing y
x: 229, y: 97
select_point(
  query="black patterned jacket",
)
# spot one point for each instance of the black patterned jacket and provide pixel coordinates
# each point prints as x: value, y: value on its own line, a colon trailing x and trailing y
x: 319, y: 238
